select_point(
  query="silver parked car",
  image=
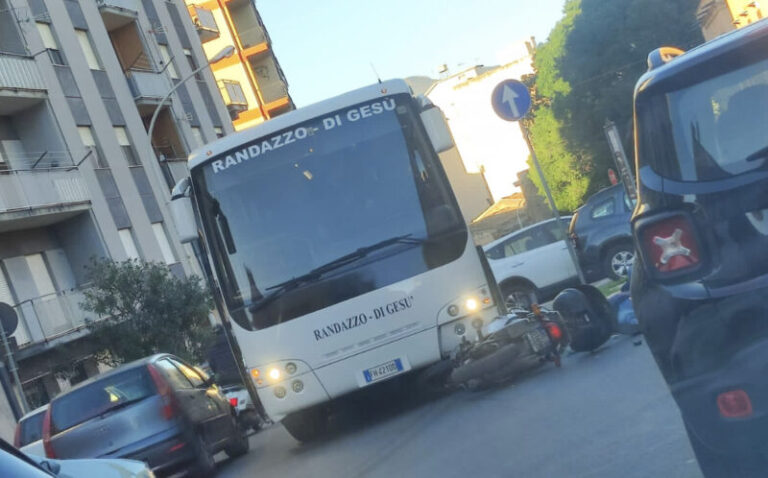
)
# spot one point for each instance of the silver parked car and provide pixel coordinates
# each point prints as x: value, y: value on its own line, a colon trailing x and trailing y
x: 159, y: 410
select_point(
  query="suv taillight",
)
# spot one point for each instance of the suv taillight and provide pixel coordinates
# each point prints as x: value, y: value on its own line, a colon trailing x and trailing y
x: 670, y: 244
x: 49, y: 452
x: 165, y: 392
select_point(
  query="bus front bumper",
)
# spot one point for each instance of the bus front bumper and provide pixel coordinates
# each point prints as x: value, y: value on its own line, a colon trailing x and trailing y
x: 351, y: 373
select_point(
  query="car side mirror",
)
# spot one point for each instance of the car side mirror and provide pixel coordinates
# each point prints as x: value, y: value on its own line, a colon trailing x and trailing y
x: 183, y: 212
x: 436, y: 126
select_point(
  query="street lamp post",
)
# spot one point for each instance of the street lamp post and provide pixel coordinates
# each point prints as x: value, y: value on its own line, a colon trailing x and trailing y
x: 226, y: 52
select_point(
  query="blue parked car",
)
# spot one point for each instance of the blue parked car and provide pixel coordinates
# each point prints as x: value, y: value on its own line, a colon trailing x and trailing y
x: 601, y: 232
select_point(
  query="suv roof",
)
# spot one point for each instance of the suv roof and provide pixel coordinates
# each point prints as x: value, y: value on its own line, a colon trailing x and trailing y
x: 518, y: 231
x: 704, y: 53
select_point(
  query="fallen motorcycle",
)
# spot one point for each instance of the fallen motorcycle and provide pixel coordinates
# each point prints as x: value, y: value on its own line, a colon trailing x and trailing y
x: 509, y: 345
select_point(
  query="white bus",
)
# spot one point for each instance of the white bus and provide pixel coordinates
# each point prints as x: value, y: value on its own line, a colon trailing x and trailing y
x: 338, y: 248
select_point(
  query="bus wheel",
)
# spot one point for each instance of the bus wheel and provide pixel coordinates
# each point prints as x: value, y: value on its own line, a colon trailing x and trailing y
x: 307, y: 425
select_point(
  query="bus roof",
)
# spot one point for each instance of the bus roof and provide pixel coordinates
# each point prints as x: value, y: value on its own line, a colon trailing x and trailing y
x: 233, y: 141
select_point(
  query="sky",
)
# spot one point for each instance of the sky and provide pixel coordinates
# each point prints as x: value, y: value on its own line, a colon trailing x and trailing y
x: 327, y: 47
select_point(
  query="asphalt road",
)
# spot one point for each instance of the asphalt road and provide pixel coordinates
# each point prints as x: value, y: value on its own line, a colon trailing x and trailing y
x: 602, y: 415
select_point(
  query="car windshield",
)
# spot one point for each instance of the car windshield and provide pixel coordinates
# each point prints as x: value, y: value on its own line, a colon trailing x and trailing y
x: 101, y: 397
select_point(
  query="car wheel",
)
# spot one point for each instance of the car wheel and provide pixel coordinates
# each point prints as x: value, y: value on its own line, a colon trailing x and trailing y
x: 714, y: 464
x: 307, y: 425
x: 204, y: 465
x: 618, y: 260
x: 238, y: 443
x: 518, y: 296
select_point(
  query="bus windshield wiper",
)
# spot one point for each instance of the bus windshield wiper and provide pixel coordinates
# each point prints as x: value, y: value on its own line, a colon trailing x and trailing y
x: 318, y: 272
x: 761, y: 153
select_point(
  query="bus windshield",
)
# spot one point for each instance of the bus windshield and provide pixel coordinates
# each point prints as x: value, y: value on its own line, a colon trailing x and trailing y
x: 277, y: 208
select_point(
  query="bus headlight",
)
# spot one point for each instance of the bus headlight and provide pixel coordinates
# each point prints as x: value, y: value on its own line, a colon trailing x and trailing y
x: 280, y: 392
x: 297, y: 386
x: 472, y: 305
x: 274, y: 374
x: 453, y: 310
x: 459, y: 328
x: 290, y: 368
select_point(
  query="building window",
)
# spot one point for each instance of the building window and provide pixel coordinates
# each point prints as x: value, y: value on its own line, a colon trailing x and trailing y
x: 198, y: 136
x: 86, y: 136
x: 167, y: 60
x: 192, y: 62
x: 87, y: 47
x: 49, y: 42
x: 219, y: 132
x: 162, y: 240
x: 130, y: 155
x: 126, y: 237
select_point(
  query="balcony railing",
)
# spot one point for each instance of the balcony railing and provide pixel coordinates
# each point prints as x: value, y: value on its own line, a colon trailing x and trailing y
x: 147, y: 86
x: 117, y: 13
x: 205, y: 23
x: 129, y: 5
x: 273, y: 91
x: 34, y: 189
x: 49, y: 317
x: 19, y: 73
x: 252, y: 36
x: 233, y: 96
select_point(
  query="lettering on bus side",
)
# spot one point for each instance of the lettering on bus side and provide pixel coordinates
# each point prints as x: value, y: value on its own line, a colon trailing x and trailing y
x: 363, y: 318
x: 261, y: 147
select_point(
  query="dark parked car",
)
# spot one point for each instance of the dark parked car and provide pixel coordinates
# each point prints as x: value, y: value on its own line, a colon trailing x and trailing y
x: 601, y: 232
x: 159, y: 410
x: 700, y: 289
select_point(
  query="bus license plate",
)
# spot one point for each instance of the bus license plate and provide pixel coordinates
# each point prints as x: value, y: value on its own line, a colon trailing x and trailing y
x: 379, y: 372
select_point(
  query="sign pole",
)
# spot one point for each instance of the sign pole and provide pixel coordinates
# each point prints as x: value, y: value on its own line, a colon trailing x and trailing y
x: 552, y: 205
x: 511, y: 100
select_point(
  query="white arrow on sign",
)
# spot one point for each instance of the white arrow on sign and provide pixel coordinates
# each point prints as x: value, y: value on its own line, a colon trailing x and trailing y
x: 509, y: 96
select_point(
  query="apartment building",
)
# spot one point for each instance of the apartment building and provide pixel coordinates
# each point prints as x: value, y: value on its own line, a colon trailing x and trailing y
x: 251, y: 81
x: 79, y: 174
x: 721, y: 16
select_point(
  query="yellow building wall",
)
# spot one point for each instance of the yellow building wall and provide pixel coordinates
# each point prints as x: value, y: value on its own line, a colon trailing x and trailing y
x: 745, y: 11
x: 234, y: 68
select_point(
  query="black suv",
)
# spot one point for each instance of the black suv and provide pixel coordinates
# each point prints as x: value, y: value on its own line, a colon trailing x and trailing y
x: 700, y: 288
x: 602, y: 235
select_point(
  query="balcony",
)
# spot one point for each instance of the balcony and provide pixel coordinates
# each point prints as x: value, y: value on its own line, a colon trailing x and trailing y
x: 234, y: 97
x: 117, y: 13
x: 50, y: 318
x: 39, y: 197
x: 21, y: 83
x: 206, y: 26
x: 148, y: 89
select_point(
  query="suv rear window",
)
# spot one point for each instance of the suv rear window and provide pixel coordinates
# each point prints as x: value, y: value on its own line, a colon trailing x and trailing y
x: 31, y: 429
x: 717, y: 125
x: 111, y: 392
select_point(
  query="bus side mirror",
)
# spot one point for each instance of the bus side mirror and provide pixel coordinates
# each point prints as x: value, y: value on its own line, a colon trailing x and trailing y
x: 437, y: 129
x: 183, y: 212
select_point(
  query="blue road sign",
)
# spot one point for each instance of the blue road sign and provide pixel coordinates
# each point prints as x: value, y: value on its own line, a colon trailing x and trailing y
x: 511, y: 100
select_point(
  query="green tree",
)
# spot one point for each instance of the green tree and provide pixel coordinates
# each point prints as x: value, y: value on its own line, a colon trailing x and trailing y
x: 144, y: 309
x: 585, y: 75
